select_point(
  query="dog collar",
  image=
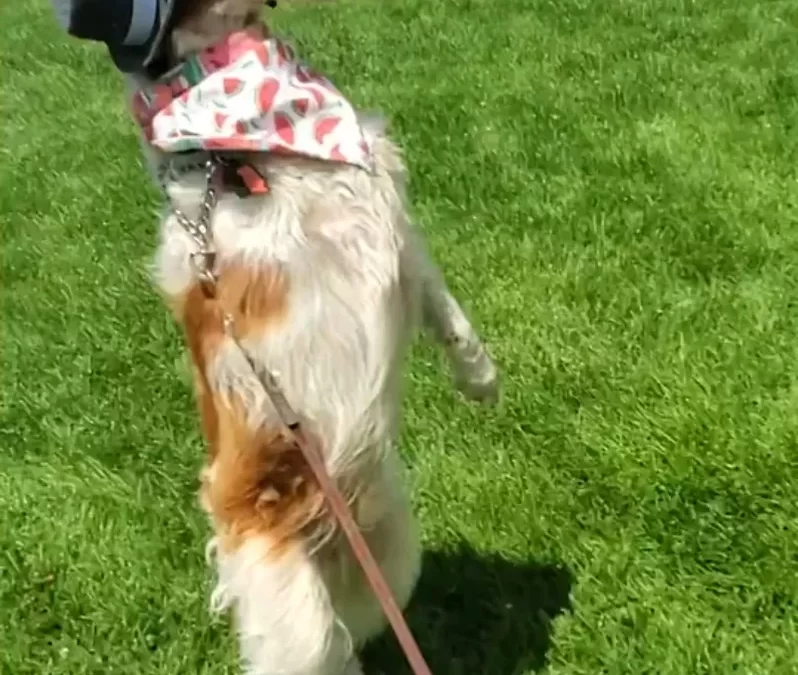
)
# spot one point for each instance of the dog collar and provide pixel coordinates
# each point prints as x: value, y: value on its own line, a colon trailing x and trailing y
x: 249, y: 93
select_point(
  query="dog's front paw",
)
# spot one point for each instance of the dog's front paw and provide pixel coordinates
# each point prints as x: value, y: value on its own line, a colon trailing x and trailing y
x: 480, y: 381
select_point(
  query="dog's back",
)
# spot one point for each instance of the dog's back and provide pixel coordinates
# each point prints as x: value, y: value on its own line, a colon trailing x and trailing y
x: 323, y: 280
x: 317, y: 270
x: 315, y: 276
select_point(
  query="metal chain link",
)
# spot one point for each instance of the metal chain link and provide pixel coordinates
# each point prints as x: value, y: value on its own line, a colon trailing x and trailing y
x: 199, y: 229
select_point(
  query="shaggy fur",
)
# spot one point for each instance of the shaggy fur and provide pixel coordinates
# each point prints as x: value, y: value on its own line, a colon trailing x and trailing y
x: 326, y: 280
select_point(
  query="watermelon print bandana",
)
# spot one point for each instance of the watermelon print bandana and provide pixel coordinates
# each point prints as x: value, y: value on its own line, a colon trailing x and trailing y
x: 249, y: 93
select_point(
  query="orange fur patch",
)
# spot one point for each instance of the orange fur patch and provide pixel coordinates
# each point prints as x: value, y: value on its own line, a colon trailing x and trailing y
x: 261, y: 483
x: 253, y: 298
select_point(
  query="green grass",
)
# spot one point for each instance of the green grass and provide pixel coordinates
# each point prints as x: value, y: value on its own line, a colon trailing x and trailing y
x: 610, y: 188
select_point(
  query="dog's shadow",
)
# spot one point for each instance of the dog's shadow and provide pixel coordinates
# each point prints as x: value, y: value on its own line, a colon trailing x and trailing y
x: 473, y: 614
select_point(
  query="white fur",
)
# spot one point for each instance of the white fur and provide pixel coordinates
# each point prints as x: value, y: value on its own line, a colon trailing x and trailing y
x: 286, y: 622
x: 359, y: 280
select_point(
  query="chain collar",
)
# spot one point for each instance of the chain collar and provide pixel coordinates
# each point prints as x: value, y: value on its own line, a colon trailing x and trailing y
x: 203, y: 260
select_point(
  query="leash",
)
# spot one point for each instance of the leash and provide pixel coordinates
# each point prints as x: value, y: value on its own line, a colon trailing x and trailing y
x: 203, y: 261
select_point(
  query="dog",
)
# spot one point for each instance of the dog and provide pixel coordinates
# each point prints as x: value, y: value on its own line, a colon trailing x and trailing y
x: 316, y: 264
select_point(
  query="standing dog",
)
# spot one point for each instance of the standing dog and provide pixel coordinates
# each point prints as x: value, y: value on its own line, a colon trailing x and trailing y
x: 317, y: 266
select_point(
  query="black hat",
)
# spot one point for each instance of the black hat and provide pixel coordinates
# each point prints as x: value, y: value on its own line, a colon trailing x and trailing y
x: 134, y: 30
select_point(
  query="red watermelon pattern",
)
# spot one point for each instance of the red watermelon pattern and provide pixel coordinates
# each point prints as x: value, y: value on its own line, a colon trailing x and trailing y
x: 251, y: 93
x: 232, y: 85
x: 324, y: 127
x: 301, y: 106
x: 267, y: 91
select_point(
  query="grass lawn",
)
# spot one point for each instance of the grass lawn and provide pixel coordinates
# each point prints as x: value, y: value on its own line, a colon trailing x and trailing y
x: 611, y: 189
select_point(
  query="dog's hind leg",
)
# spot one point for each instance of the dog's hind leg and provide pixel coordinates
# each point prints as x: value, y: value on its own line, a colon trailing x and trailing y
x: 284, y: 618
x: 385, y: 515
x: 263, y: 503
x: 475, y: 373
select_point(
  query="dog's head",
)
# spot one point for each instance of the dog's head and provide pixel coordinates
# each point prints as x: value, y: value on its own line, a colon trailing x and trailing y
x: 197, y: 24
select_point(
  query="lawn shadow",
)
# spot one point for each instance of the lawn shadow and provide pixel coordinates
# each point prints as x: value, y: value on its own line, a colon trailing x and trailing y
x: 478, y: 614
